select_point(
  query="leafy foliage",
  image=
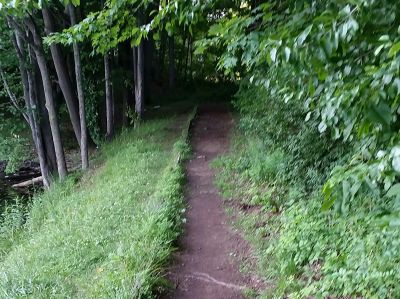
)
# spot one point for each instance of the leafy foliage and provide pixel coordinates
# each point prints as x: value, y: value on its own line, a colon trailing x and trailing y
x: 339, y: 60
x: 318, y: 86
x: 302, y: 250
x: 14, y: 146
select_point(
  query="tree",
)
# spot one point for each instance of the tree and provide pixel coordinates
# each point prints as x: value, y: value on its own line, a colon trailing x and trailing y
x: 64, y: 79
x: 109, y: 97
x: 30, y: 98
x: 171, y: 62
x: 139, y: 61
x: 79, y: 87
x: 37, y: 46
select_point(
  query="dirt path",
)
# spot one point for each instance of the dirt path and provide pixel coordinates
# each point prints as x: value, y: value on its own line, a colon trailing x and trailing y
x: 204, y: 267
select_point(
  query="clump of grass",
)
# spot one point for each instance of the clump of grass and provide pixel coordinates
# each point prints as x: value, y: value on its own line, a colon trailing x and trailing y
x: 109, y: 235
x: 302, y: 251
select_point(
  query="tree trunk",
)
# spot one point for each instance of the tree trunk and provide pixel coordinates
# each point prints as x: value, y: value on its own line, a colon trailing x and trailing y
x: 43, y: 115
x: 31, y: 106
x: 124, y: 62
x: 139, y: 84
x: 191, y: 61
x: 79, y: 87
x: 149, y: 68
x: 134, y: 55
x: 48, y: 93
x: 109, y: 99
x: 64, y: 79
x: 181, y: 57
x: 171, y: 60
x: 161, y: 57
x: 139, y: 61
x: 125, y: 97
x: 12, y: 96
x: 187, y: 58
x: 36, y: 132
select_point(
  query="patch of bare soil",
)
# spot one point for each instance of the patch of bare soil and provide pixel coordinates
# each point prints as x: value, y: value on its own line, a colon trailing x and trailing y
x: 205, y: 266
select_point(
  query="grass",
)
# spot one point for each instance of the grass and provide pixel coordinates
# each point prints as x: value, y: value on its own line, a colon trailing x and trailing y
x: 106, y: 234
x: 301, y: 251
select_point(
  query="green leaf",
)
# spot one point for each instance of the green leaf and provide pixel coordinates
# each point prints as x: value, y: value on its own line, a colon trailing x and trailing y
x: 328, y: 204
x: 345, y: 196
x: 303, y: 36
x: 287, y: 53
x: 394, y: 191
x: 378, y: 50
x: 273, y: 54
x: 384, y: 38
x: 394, y: 49
x: 381, y: 114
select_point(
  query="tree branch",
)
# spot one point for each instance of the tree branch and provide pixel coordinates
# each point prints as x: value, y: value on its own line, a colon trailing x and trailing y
x: 13, y: 98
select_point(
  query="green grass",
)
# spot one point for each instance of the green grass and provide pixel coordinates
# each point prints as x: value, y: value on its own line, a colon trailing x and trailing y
x: 108, y: 234
x: 301, y: 251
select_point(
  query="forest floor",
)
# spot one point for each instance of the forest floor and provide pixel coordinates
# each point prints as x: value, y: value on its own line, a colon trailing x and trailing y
x: 207, y: 264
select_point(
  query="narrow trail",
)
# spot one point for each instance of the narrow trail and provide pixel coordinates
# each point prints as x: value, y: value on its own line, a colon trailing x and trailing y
x: 204, y: 267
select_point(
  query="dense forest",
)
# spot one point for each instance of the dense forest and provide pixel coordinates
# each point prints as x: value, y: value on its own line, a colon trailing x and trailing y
x: 315, y: 90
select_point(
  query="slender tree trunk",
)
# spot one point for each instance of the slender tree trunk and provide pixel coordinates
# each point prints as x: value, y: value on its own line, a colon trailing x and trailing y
x: 181, y: 57
x: 12, y: 96
x: 140, y: 75
x: 135, y: 77
x: 125, y: 97
x: 42, y: 114
x: 79, y: 87
x: 31, y: 106
x: 171, y: 60
x: 109, y: 99
x: 149, y: 68
x: 124, y: 63
x: 139, y: 82
x: 191, y: 62
x: 64, y: 79
x: 161, y: 57
x: 187, y: 58
x: 134, y: 54
x: 48, y: 92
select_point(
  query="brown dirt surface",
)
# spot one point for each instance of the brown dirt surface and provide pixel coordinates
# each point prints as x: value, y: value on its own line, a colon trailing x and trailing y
x: 205, y: 265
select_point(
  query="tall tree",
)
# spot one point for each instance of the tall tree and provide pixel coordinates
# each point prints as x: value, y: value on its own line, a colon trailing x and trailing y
x: 30, y: 98
x: 48, y: 93
x: 139, y: 64
x: 109, y: 98
x: 43, y: 114
x: 139, y: 81
x: 171, y: 61
x: 79, y: 87
x: 64, y: 79
x: 161, y: 52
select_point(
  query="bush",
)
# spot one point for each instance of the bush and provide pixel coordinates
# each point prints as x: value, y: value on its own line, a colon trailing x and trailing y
x: 281, y: 163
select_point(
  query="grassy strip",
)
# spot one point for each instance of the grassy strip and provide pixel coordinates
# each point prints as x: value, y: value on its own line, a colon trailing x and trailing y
x: 109, y: 235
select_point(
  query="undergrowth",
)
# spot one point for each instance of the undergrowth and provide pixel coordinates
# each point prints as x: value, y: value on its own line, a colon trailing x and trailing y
x: 14, y: 144
x: 104, y: 234
x: 278, y: 164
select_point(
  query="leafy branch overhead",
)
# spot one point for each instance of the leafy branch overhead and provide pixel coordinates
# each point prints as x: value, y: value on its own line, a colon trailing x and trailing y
x: 118, y: 22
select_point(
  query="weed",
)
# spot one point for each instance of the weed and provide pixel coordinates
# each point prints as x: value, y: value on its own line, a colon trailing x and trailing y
x: 106, y: 236
x: 280, y: 164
